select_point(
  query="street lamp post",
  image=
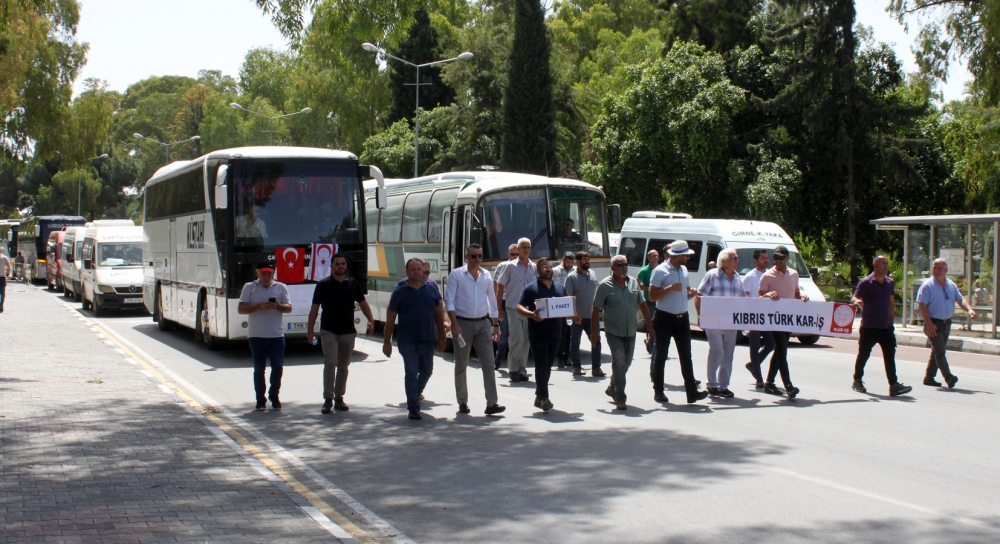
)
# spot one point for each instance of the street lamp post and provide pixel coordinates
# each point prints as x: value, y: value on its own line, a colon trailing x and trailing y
x: 416, y: 114
x: 79, y: 182
x: 166, y: 147
x: 271, y: 119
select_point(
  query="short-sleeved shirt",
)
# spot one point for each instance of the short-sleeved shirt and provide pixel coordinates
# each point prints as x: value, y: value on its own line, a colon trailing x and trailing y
x: 620, y: 304
x: 940, y: 301
x: 414, y: 312
x: 716, y: 284
x: 5, y: 266
x: 751, y: 282
x: 785, y: 283
x: 583, y: 288
x: 429, y: 281
x: 643, y: 278
x: 264, y: 323
x: 560, y: 272
x: 337, y: 298
x: 547, y: 328
x: 666, y: 275
x: 514, y: 277
x: 878, y: 301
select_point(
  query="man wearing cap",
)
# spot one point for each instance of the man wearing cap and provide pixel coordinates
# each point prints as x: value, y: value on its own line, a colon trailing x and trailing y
x: 263, y: 301
x: 559, y: 276
x: 777, y: 283
x: 751, y: 285
x: 670, y: 289
x: 875, y: 295
x: 937, y: 297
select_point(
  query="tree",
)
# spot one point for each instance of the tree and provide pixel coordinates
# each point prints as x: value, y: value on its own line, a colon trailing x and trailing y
x: 420, y: 47
x: 662, y: 143
x: 61, y: 196
x: 266, y: 73
x: 529, y: 137
x: 392, y: 150
x: 719, y: 25
x: 957, y: 29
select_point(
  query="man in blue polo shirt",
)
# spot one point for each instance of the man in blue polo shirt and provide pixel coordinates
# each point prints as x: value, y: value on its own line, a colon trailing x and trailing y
x: 937, y: 297
x: 875, y: 296
x: 418, y: 306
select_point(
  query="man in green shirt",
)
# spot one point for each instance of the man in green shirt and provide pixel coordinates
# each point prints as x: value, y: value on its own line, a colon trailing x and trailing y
x: 652, y: 260
x: 620, y: 298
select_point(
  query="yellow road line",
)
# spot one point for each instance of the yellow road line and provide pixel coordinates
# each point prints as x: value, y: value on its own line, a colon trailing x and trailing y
x: 251, y: 448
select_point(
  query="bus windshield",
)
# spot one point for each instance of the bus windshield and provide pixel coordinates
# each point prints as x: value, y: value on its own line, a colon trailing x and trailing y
x: 119, y: 254
x: 795, y: 261
x: 286, y: 203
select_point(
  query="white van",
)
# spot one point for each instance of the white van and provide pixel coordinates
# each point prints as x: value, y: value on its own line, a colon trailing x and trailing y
x: 112, y: 271
x: 72, y: 261
x: 707, y: 237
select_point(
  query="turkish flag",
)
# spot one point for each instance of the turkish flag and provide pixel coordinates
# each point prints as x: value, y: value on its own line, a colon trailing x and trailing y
x: 291, y: 265
x: 321, y: 260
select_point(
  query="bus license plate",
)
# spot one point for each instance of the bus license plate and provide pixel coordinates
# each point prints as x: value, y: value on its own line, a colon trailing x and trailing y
x: 296, y: 326
x: 133, y: 301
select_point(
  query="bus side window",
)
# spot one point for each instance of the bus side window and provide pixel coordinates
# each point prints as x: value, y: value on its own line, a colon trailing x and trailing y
x: 439, y: 201
x: 392, y: 218
x: 415, y: 217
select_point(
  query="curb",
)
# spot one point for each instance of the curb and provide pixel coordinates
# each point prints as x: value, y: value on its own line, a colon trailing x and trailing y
x: 967, y: 345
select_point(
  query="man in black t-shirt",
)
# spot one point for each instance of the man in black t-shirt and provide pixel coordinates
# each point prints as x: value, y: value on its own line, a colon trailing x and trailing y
x: 337, y: 294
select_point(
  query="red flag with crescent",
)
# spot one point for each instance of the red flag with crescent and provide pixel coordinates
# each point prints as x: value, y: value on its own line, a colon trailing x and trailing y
x: 321, y: 260
x: 290, y: 267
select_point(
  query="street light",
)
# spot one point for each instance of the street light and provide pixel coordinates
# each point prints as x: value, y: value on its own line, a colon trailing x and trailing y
x: 166, y: 146
x: 236, y: 106
x: 416, y: 114
x: 79, y: 182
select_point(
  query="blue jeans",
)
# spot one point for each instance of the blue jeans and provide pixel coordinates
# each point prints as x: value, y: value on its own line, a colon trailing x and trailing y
x: 262, y: 350
x: 502, y: 342
x: 418, y: 362
x: 574, y: 345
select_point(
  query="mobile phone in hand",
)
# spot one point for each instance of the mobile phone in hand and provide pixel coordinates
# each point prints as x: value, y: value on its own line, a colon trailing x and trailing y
x: 272, y: 299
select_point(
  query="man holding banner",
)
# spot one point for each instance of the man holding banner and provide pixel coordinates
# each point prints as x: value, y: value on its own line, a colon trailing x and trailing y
x: 937, y: 297
x: 670, y: 290
x: 751, y: 285
x: 875, y: 294
x: 722, y: 281
x: 777, y: 283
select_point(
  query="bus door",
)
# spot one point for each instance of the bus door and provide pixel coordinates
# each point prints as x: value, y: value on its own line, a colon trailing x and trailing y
x: 447, y: 240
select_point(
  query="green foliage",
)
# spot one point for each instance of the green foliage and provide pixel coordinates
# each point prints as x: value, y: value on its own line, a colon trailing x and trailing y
x: 663, y: 143
x: 266, y: 73
x: 776, y: 181
x: 971, y: 133
x: 392, y: 150
x: 529, y: 133
x: 225, y: 127
x: 61, y: 196
x: 719, y: 25
x: 420, y: 47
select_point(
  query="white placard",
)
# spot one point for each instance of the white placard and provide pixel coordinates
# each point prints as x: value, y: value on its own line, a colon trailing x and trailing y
x: 556, y: 307
x: 302, y: 296
x: 787, y: 314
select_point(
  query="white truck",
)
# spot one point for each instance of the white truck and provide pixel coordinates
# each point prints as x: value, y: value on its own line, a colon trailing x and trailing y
x: 112, y: 272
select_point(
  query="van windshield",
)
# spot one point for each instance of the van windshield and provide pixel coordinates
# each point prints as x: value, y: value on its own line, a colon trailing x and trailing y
x: 795, y: 261
x: 119, y: 255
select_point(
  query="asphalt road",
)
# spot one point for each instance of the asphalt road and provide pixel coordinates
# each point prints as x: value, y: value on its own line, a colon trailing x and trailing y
x: 830, y: 466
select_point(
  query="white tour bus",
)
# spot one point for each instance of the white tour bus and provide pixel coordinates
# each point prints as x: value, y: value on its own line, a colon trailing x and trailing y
x: 436, y: 217
x: 707, y: 237
x: 111, y: 275
x: 208, y: 222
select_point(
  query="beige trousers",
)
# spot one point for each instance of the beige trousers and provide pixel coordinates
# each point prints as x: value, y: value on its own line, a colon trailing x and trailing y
x: 337, y: 350
x: 478, y: 334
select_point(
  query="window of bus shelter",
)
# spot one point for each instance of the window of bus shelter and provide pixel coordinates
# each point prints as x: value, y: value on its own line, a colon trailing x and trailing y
x: 287, y: 203
x: 578, y: 216
x: 508, y: 216
x: 441, y: 199
x: 392, y: 219
x: 415, y: 217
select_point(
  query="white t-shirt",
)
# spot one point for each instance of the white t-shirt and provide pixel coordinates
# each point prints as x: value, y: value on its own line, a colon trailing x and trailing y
x: 266, y: 323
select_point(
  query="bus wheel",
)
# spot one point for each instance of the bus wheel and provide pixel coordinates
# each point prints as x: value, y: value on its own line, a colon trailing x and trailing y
x: 161, y: 324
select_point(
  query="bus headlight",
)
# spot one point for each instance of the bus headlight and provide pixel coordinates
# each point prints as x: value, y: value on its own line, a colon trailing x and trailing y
x: 106, y: 288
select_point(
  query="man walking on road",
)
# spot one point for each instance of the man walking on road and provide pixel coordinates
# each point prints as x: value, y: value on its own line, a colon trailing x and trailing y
x: 418, y: 306
x: 937, y: 297
x: 619, y: 296
x: 652, y: 261
x: 264, y: 300
x: 559, y: 275
x: 500, y: 355
x: 581, y: 284
x: 472, y: 307
x: 5, y: 272
x: 761, y: 342
x: 875, y: 296
x: 512, y: 280
x: 337, y: 294
x: 670, y: 289
x: 777, y: 283
x: 722, y: 281
x: 543, y: 333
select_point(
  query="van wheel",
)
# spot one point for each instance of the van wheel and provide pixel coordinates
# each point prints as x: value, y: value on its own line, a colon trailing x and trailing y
x: 86, y: 304
x: 98, y: 307
x: 809, y: 340
x: 77, y: 296
x: 161, y: 324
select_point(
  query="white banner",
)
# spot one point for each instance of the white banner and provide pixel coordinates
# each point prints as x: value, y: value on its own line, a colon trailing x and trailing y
x: 788, y: 315
x: 301, y: 297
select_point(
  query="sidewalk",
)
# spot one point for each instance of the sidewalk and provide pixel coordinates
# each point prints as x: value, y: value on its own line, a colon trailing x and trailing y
x: 958, y: 341
x: 94, y: 449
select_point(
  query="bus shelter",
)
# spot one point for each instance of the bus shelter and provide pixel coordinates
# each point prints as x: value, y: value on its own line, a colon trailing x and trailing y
x: 968, y: 243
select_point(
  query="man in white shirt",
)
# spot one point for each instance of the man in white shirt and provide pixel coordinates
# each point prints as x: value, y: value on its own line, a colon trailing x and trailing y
x: 472, y: 307
x: 751, y: 283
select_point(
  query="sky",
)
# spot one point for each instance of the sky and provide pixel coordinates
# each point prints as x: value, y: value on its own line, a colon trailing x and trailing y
x: 131, y: 40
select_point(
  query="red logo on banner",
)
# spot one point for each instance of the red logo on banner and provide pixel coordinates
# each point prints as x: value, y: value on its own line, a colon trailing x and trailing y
x: 843, y: 318
x: 291, y: 265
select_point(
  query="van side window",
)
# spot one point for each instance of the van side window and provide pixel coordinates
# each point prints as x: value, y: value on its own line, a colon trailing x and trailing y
x: 658, y: 244
x: 634, y: 250
x: 713, y: 253
x: 694, y: 262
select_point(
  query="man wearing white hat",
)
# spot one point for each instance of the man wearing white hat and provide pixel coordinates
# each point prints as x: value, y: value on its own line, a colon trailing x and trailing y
x: 670, y: 289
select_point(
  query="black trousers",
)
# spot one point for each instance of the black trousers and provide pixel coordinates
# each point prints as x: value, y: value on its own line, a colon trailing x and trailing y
x: 678, y: 327
x: 886, y: 339
x: 3, y: 291
x: 564, y: 343
x: 779, y: 361
x: 544, y: 351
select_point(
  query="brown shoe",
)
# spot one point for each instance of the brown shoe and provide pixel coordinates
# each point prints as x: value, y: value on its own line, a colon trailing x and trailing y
x: 620, y: 405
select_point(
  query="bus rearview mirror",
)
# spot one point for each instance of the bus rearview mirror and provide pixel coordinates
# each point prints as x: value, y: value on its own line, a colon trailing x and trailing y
x: 220, y: 176
x: 381, y: 198
x: 221, y: 197
x: 616, y: 216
